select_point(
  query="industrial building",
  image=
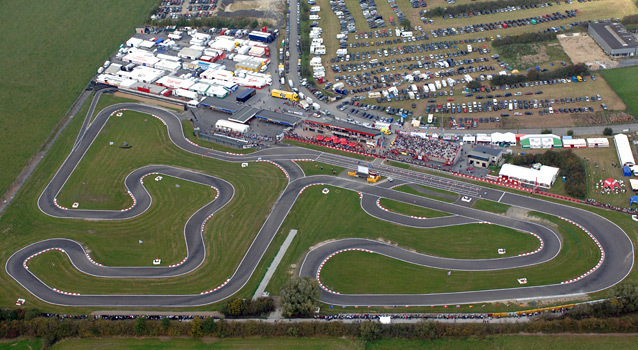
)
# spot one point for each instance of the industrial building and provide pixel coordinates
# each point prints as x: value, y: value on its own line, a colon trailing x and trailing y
x: 614, y: 39
x: 484, y: 157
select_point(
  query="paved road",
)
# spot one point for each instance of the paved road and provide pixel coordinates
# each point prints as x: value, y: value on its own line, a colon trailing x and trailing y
x: 617, y: 246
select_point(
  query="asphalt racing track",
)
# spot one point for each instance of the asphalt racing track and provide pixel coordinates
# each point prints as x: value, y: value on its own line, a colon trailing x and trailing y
x: 616, y: 246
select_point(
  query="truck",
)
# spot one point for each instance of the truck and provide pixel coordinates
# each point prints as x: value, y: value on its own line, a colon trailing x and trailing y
x: 286, y: 95
x: 381, y: 125
x: 432, y: 87
x: 261, y: 36
x: 468, y: 78
x: 304, y: 105
x: 245, y: 95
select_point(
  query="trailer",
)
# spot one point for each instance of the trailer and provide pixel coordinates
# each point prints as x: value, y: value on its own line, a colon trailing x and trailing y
x: 261, y: 36
x: 286, y: 95
x: 245, y: 95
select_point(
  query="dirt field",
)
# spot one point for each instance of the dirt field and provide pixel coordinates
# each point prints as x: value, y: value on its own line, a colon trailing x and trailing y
x: 581, y: 48
x: 149, y: 100
x: 264, y: 10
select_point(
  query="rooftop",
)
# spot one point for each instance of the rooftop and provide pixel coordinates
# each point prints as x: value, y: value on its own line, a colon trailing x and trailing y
x: 615, y: 35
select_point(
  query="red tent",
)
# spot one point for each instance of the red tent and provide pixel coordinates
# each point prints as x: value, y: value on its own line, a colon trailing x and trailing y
x: 344, y: 141
x: 610, y: 183
x: 351, y: 144
x: 319, y: 138
x: 335, y: 139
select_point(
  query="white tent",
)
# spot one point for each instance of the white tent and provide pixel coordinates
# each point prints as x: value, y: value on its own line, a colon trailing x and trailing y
x: 597, y: 142
x: 467, y: 138
x: 544, y: 176
x: 504, y: 138
x: 231, y: 126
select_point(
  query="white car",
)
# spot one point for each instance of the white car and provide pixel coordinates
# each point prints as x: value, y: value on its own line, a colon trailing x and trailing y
x: 466, y: 199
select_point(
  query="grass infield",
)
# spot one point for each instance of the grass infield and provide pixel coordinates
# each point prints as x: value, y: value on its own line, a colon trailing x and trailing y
x: 360, y: 272
x: 227, y: 237
x: 491, y: 206
x: 315, y: 226
x: 409, y: 209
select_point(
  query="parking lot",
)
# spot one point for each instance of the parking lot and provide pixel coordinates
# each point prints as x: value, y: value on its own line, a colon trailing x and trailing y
x: 380, y: 59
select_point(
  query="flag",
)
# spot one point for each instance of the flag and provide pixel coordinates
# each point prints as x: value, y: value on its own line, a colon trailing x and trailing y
x: 458, y: 306
x: 471, y: 306
x: 449, y: 273
x: 445, y: 306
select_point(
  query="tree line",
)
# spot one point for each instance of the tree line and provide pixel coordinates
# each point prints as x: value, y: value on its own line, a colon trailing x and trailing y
x: 525, y: 38
x: 565, y: 72
x: 571, y: 166
x: 481, y: 6
x: 615, y: 314
x: 51, y: 330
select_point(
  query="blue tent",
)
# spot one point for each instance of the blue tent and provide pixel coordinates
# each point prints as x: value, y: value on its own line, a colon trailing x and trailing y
x: 632, y: 200
x: 626, y: 171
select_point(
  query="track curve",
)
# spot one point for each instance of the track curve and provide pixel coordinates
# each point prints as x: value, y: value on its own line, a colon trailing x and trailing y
x: 615, y: 243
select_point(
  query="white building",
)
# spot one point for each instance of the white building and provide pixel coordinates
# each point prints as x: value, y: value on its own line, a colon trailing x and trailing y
x: 539, y: 175
x: 231, y: 126
x: 623, y: 149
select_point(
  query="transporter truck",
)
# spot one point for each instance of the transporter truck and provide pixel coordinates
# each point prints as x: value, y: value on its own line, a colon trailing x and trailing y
x: 286, y: 95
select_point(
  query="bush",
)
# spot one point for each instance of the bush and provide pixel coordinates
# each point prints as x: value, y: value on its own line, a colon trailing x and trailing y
x: 242, y: 307
x: 570, y: 132
x: 607, y: 131
x: 370, y: 331
x: 546, y: 131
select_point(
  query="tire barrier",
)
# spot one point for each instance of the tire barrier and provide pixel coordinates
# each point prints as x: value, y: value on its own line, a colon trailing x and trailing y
x: 24, y: 263
x: 336, y: 148
x: 277, y: 165
x: 542, y: 244
x: 55, y: 202
x: 216, y: 288
x: 600, y: 247
x: 317, y: 275
x: 134, y: 202
x: 92, y: 261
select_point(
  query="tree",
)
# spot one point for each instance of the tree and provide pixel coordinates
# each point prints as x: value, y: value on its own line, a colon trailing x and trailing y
x: 608, y: 131
x: 474, y: 84
x: 570, y: 132
x: 165, y: 323
x: 299, y: 296
x: 406, y: 23
x: 546, y: 131
x: 196, y: 328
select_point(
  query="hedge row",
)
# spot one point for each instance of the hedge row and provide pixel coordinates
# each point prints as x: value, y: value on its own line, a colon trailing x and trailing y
x: 560, y: 73
x: 51, y: 330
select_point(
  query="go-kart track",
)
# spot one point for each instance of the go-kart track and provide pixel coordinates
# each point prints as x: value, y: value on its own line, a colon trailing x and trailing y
x: 616, y: 248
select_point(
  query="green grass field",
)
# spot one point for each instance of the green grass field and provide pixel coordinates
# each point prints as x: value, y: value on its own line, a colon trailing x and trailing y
x: 351, y: 272
x: 226, y: 237
x: 494, y: 207
x: 434, y: 193
x: 318, y: 168
x: 50, y: 51
x: 472, y: 241
x: 524, y: 341
x: 623, y: 81
x: 209, y: 343
x: 409, y: 209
